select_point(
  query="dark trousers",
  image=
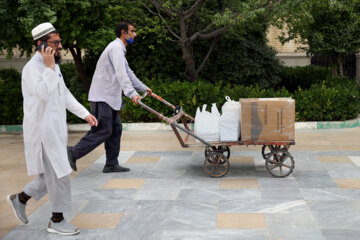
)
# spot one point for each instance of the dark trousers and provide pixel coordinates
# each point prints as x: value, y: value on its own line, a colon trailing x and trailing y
x: 109, y: 130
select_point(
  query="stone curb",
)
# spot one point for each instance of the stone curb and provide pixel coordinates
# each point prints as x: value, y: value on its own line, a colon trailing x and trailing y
x: 165, y: 127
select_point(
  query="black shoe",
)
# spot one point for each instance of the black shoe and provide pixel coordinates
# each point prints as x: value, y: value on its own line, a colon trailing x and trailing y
x: 116, y: 168
x: 71, y: 158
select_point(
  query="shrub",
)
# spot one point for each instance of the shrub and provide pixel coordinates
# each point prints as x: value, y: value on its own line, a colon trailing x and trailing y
x: 328, y: 101
x: 11, y: 107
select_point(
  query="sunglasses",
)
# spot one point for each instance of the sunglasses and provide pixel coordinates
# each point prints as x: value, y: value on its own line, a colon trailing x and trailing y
x: 56, y: 42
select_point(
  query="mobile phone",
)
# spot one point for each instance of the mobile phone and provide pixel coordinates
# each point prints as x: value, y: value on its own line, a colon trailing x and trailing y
x: 42, y: 44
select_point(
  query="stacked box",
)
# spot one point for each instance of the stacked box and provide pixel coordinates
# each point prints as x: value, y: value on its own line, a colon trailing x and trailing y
x: 267, y: 119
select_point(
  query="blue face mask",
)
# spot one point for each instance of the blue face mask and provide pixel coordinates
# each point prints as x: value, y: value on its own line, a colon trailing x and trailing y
x: 130, y: 40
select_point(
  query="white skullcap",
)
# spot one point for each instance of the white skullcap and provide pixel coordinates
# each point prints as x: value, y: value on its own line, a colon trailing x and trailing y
x: 41, y: 30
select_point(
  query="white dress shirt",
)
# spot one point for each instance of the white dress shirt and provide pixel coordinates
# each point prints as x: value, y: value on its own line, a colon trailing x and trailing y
x: 113, y: 76
x: 46, y: 99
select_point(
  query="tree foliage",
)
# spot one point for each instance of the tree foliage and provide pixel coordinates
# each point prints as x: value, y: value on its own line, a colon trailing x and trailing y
x: 326, y: 27
x: 190, y: 21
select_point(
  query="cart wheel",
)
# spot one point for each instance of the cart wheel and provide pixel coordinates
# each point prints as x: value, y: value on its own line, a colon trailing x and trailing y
x: 267, y: 149
x: 216, y: 164
x: 223, y: 149
x: 279, y: 163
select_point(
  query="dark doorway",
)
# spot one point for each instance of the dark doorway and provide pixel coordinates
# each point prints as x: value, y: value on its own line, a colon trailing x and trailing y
x: 349, y: 64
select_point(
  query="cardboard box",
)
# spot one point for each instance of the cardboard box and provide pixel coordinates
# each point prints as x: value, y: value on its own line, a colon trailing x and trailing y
x: 267, y: 119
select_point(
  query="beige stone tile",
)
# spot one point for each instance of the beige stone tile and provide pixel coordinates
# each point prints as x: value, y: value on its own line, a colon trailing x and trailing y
x: 239, y: 183
x: 9, y: 222
x: 348, y: 183
x: 124, y: 183
x: 143, y: 159
x: 4, y: 231
x: 97, y: 220
x: 334, y: 159
x: 240, y: 220
x: 243, y: 159
x: 348, y: 147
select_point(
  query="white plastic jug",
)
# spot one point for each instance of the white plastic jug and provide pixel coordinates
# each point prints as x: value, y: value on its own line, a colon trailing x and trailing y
x: 207, y: 124
x: 230, y: 121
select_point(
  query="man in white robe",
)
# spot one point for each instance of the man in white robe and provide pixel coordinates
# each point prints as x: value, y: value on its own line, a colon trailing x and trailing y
x: 46, y: 99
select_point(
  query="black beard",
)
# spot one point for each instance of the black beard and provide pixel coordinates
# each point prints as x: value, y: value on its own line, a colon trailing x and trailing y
x: 57, y: 58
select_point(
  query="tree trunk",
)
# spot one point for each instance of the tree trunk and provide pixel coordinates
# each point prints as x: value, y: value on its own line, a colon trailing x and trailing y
x: 189, y: 62
x: 333, y: 66
x: 79, y: 66
x: 340, y: 65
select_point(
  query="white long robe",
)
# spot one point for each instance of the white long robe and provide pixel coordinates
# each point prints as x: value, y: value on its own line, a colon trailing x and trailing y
x: 46, y: 99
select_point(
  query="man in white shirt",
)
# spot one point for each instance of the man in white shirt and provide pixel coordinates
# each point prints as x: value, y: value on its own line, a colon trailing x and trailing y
x: 112, y: 77
x: 46, y: 99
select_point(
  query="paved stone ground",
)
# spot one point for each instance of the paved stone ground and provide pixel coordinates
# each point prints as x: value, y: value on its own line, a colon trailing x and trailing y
x: 167, y: 196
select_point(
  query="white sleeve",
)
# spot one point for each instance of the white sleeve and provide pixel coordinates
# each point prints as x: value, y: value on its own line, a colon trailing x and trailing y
x: 74, y: 106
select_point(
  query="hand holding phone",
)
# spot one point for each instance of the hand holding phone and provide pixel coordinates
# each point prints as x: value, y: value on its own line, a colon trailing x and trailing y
x: 47, y: 54
x: 42, y: 44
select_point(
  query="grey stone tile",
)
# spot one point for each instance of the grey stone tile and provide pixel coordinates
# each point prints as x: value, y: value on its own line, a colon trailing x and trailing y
x: 347, y: 174
x: 218, y: 194
x: 159, y: 189
x: 236, y: 171
x: 296, y: 233
x: 266, y: 183
x: 284, y: 193
x: 108, y: 206
x: 340, y: 166
x: 216, y: 234
x: 163, y: 174
x: 341, y: 234
x: 89, y: 179
x: 139, y: 226
x: 190, y: 215
x: 128, y: 206
x: 286, y: 221
x: 200, y: 182
x: 263, y: 206
x: 326, y: 194
x: 334, y: 214
x: 306, y: 161
x: 102, y: 194
x: 173, y: 163
x: 314, y: 179
x: 28, y: 234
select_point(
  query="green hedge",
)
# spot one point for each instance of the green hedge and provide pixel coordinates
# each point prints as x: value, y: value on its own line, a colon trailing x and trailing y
x: 326, y: 100
x: 11, y: 107
x: 332, y: 100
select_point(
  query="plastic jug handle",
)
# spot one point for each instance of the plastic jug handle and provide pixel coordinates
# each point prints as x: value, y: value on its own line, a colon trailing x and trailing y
x: 204, y: 108
x: 228, y: 98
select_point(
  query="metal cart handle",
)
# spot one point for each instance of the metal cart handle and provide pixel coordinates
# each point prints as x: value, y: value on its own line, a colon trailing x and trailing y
x: 180, y: 114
